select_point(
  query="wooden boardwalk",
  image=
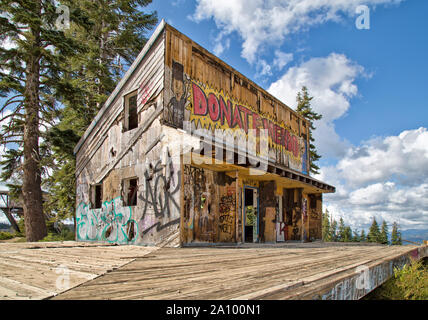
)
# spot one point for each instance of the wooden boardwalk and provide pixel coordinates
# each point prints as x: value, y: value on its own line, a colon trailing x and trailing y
x: 271, y: 272
x: 37, y: 270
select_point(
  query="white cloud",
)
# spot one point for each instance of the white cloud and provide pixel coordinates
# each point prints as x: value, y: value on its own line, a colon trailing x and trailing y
x: 331, y: 81
x: 263, y: 69
x: 404, y: 156
x: 282, y: 59
x: 386, y: 178
x: 269, y: 22
x: 221, y: 46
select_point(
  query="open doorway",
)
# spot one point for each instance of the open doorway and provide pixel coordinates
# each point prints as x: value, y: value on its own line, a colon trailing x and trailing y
x: 251, y: 214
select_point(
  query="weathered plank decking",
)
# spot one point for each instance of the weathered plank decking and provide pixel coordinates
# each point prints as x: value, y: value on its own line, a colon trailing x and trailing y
x: 277, y: 272
x: 289, y: 271
x: 34, y: 270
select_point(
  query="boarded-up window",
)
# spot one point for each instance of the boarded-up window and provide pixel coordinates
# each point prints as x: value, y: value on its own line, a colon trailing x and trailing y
x: 131, y: 112
x: 131, y: 191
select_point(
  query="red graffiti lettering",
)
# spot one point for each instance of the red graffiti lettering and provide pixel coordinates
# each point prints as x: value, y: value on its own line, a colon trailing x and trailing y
x: 234, y: 115
x: 213, y: 107
x: 295, y: 147
x: 226, y: 111
x: 269, y: 125
x: 237, y: 118
x: 282, y: 134
x: 287, y: 140
x: 256, y: 121
x: 199, y: 101
x: 145, y: 94
x: 246, y: 113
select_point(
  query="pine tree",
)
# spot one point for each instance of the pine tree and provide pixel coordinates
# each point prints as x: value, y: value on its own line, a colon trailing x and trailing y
x: 384, y: 233
x: 30, y: 72
x: 114, y: 34
x: 347, y: 234
x: 374, y: 232
x: 363, y: 237
x: 304, y: 108
x: 395, y: 235
x: 326, y: 232
x: 341, y: 230
x: 333, y: 231
x: 355, y: 237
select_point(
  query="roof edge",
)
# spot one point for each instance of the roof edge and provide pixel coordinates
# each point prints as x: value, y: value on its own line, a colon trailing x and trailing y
x: 121, y: 83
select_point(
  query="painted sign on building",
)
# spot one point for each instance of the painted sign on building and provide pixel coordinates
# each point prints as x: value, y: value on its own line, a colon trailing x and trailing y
x: 214, y: 110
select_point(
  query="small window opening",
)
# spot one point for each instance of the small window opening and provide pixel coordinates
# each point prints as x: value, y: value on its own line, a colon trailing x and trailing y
x: 98, y: 196
x: 131, y: 112
x: 131, y: 189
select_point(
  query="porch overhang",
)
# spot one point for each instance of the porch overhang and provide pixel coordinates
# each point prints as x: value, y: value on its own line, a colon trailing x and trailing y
x: 284, y: 177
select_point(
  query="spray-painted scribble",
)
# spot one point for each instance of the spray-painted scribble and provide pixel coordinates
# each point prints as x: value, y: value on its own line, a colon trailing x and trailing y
x: 160, y: 190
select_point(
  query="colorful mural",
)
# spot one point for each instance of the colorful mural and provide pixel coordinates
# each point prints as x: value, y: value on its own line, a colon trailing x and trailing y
x: 211, y: 109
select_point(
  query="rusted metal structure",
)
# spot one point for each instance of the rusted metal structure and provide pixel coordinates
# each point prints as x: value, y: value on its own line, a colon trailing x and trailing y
x: 9, y: 207
x: 187, y: 150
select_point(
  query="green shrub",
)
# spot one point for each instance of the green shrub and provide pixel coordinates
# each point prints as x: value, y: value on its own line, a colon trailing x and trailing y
x: 6, y: 235
x: 65, y: 235
x: 408, y: 283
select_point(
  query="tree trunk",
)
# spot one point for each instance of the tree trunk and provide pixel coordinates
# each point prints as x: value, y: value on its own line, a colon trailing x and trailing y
x: 35, y: 224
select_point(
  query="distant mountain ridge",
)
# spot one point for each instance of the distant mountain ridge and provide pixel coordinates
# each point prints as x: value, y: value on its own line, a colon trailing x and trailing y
x: 415, y: 235
x: 4, y: 226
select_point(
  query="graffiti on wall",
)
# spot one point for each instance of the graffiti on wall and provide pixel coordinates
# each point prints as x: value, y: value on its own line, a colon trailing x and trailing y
x: 116, y: 223
x: 209, y: 205
x: 174, y: 111
x: 365, y: 280
x: 145, y: 92
x: 304, y: 209
x: 113, y: 223
x: 314, y: 214
x: 227, y: 213
x: 199, y: 203
x: 211, y: 109
x: 159, y: 194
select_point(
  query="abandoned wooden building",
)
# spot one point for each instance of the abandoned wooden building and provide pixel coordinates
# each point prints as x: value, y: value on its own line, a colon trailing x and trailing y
x: 147, y: 169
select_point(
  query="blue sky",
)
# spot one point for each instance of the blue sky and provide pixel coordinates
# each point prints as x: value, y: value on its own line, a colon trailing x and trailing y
x: 370, y: 85
x: 393, y: 50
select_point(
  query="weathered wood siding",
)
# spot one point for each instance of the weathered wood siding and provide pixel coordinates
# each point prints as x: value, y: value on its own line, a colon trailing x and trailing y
x: 110, y: 155
x: 228, y: 100
x: 210, y: 206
